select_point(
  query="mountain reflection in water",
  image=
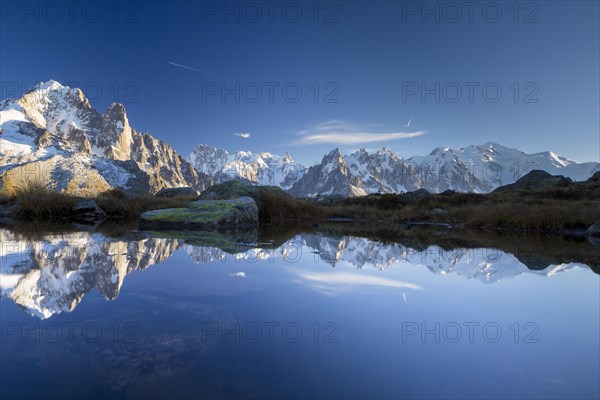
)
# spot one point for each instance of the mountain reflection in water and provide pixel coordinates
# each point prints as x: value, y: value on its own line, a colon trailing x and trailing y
x: 51, y: 273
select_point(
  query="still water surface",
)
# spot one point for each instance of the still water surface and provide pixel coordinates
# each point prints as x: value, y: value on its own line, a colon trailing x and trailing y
x: 312, y: 315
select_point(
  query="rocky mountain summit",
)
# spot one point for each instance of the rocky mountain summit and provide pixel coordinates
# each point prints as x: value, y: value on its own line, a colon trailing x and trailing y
x: 52, y: 135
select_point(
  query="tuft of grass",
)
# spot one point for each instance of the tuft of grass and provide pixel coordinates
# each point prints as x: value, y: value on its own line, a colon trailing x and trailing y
x: 37, y: 202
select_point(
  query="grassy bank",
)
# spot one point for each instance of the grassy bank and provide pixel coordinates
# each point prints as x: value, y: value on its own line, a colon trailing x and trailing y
x: 552, y: 210
x: 36, y: 203
x: 535, y: 211
x: 514, y: 211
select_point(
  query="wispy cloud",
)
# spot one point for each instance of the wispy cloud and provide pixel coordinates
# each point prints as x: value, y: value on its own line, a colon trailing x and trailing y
x: 343, y: 133
x: 244, y: 135
x: 185, y: 66
x: 339, y: 282
x: 349, y: 278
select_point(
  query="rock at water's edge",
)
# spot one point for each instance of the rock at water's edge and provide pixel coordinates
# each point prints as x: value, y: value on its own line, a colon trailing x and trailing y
x: 204, y: 214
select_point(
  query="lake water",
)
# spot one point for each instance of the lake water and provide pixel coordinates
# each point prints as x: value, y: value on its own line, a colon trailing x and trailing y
x: 309, y: 315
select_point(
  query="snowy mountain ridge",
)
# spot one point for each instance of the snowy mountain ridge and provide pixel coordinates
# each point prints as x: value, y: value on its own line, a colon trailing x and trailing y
x: 261, y: 169
x: 478, y: 169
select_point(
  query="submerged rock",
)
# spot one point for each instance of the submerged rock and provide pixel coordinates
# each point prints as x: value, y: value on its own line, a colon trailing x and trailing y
x: 88, y: 211
x: 204, y: 214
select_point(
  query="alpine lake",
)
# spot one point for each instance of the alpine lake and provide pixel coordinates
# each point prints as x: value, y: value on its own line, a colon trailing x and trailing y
x: 328, y: 312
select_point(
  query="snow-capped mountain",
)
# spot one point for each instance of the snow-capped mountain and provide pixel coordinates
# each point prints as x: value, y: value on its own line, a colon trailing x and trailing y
x: 261, y: 169
x: 53, y: 135
x: 478, y: 169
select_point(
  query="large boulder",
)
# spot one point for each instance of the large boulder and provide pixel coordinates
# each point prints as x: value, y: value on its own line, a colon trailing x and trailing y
x: 204, y: 215
x: 537, y: 180
x: 416, y: 196
x: 177, y: 192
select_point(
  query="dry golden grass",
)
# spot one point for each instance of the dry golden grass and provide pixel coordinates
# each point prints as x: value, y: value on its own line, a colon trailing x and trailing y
x: 550, y: 211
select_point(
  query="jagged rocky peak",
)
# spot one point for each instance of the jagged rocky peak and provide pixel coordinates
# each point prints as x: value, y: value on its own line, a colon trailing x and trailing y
x: 334, y: 155
x: 116, y: 134
x: 116, y: 112
x: 54, y: 129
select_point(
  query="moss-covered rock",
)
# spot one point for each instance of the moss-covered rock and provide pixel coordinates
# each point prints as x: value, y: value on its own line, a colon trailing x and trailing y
x: 204, y: 215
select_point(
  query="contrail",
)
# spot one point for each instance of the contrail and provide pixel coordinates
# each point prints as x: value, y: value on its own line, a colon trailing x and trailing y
x: 185, y: 66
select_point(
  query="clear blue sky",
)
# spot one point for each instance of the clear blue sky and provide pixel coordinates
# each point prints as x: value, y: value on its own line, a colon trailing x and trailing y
x: 373, y: 59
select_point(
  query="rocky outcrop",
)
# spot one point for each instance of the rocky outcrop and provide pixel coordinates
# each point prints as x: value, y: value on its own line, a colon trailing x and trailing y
x: 177, y: 192
x: 416, y: 196
x: 595, y: 178
x: 233, y: 214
